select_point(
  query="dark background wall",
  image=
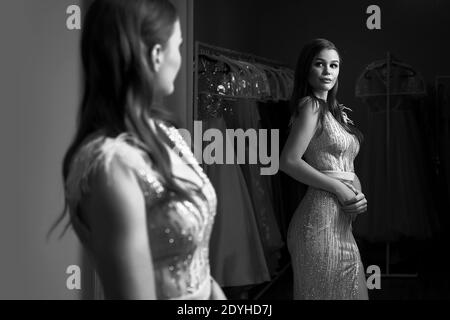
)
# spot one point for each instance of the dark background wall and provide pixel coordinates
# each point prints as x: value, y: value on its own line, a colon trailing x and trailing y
x: 414, y: 31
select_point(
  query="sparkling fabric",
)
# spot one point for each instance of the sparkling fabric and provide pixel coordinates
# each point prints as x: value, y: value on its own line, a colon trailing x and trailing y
x: 179, y: 231
x: 325, y: 258
x: 221, y: 75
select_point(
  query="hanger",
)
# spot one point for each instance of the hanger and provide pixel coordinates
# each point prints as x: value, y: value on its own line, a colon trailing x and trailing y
x: 381, y: 64
x: 412, y: 82
x: 267, y: 90
x: 212, y: 58
x: 276, y: 90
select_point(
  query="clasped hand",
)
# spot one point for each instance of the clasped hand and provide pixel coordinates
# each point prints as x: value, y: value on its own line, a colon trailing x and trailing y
x: 352, y: 201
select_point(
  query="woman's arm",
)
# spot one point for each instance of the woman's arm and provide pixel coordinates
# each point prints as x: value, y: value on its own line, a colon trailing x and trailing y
x: 216, y: 291
x: 116, y: 215
x: 359, y: 204
x: 357, y: 183
x: 291, y: 161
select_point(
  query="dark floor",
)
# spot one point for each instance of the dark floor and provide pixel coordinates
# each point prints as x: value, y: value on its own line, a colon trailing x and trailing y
x: 417, y: 271
x: 392, y: 288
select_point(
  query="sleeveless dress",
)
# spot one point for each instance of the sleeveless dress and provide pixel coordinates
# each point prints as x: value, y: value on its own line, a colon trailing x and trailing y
x: 325, y: 258
x: 237, y: 253
x: 179, y: 232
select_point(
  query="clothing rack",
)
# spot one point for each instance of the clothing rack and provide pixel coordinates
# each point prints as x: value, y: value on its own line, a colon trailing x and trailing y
x: 210, y: 50
x: 203, y: 48
x: 388, y: 134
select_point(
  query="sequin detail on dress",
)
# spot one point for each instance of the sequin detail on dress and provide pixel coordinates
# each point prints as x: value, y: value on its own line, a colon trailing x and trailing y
x: 325, y: 258
x: 179, y: 231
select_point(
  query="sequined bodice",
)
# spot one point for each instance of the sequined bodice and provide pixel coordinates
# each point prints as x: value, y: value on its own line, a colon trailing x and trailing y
x: 325, y: 258
x: 179, y: 231
x: 334, y: 148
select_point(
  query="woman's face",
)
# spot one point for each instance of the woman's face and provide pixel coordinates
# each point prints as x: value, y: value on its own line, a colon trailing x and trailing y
x: 170, y: 63
x: 324, y: 72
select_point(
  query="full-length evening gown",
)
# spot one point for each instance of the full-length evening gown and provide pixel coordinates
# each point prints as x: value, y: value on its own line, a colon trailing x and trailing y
x: 325, y: 258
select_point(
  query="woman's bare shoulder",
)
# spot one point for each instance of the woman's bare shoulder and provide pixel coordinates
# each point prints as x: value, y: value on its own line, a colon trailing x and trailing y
x: 100, y: 159
x: 309, y: 104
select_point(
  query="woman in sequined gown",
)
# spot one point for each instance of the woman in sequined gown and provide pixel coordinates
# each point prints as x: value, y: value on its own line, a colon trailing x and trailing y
x: 136, y: 197
x: 319, y: 152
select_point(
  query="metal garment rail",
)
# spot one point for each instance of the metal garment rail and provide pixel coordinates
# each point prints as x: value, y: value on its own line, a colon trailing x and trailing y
x: 203, y: 48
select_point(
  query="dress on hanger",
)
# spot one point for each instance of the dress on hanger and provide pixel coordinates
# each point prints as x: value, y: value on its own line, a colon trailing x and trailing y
x: 244, y: 80
x: 325, y: 258
x: 237, y: 253
x: 245, y: 116
x: 410, y: 213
